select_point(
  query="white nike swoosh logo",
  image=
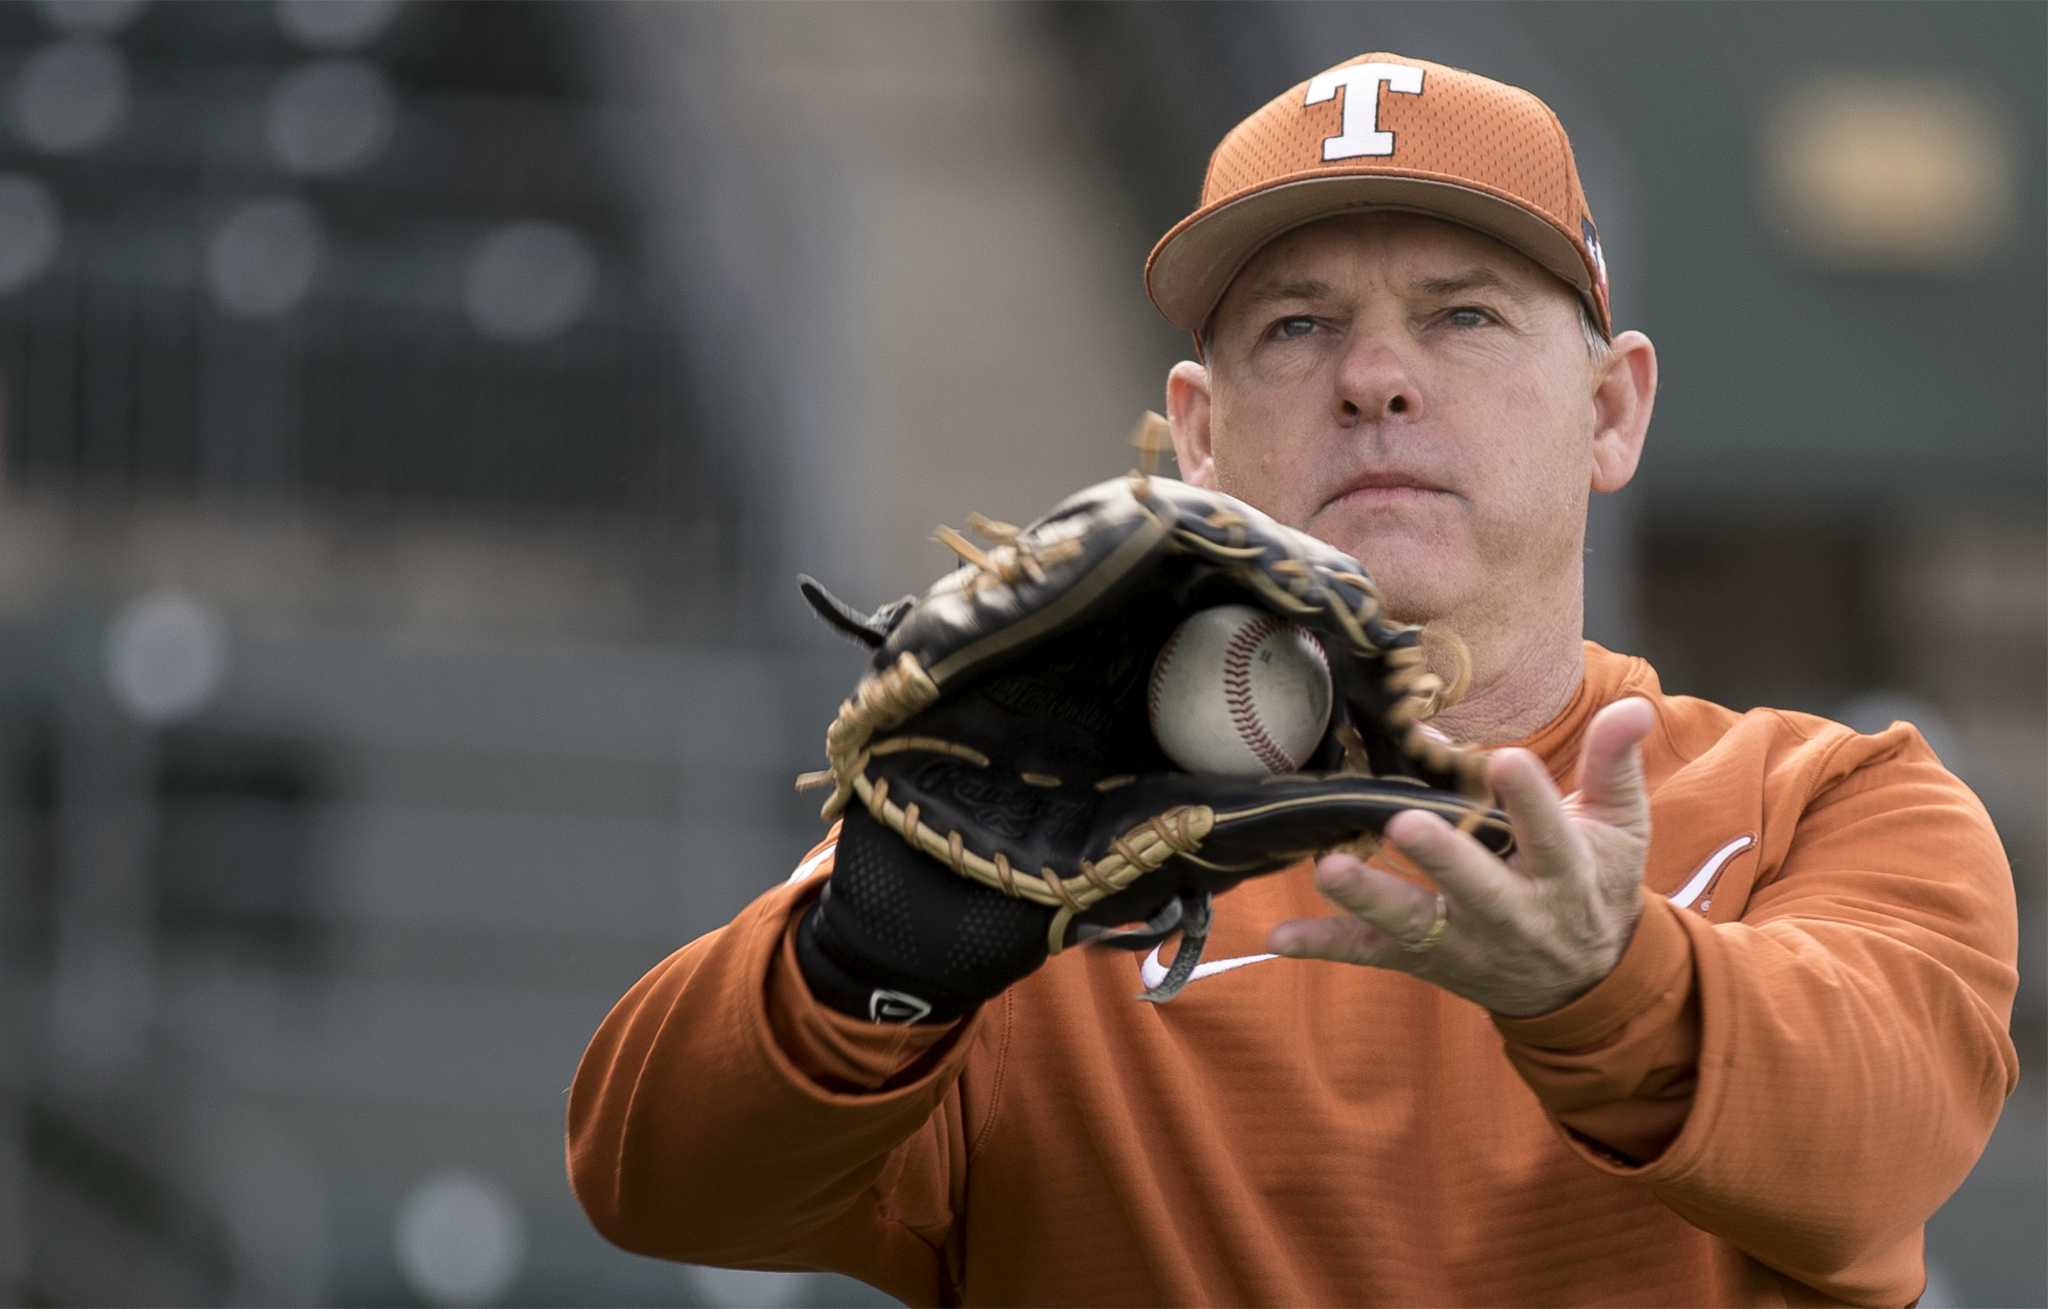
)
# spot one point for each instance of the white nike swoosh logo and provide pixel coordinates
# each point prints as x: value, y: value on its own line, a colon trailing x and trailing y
x: 810, y: 865
x: 1685, y: 895
x: 1152, y: 972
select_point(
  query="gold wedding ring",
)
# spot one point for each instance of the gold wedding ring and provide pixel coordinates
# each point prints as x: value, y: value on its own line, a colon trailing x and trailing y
x: 1436, y: 929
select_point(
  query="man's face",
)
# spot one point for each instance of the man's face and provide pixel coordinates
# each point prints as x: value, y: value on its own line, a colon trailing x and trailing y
x: 1416, y: 394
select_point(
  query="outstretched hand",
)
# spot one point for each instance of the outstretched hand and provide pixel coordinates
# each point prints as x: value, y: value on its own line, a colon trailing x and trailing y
x: 1522, y: 936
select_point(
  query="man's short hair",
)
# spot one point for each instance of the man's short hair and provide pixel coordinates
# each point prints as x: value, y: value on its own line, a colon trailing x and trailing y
x: 1598, y: 347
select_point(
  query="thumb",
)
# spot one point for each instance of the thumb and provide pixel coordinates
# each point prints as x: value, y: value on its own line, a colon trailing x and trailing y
x: 1611, y: 785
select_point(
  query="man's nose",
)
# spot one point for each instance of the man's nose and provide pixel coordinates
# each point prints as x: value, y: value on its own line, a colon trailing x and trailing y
x: 1375, y: 384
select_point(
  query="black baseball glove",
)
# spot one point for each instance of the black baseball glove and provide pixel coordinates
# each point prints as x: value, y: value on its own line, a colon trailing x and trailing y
x: 1002, y: 791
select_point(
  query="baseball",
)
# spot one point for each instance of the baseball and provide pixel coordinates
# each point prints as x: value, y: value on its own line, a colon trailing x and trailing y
x: 1241, y: 692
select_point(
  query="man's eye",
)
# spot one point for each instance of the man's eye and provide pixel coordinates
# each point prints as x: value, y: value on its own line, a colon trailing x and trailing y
x: 1293, y: 327
x: 1469, y: 316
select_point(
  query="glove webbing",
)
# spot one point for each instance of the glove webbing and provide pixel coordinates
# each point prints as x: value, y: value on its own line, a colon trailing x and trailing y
x: 1191, y: 913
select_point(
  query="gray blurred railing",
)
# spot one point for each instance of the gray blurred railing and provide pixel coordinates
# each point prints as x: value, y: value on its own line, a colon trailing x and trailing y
x: 118, y: 390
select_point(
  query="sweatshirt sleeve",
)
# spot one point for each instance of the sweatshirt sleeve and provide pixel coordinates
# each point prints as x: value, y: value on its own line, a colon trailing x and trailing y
x: 1617, y: 1067
x: 721, y: 1116
x: 1847, y: 1038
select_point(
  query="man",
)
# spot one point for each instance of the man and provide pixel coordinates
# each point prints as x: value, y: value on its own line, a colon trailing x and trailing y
x: 1727, y: 1028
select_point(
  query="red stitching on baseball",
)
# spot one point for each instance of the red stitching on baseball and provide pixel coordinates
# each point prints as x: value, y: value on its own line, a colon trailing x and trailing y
x: 1237, y: 691
x: 1158, y: 679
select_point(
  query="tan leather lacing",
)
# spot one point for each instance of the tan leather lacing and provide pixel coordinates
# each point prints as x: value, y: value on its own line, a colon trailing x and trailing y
x: 888, y: 698
x: 898, y: 744
x: 1133, y: 854
x: 1152, y: 438
x: 883, y: 700
x: 1444, y: 645
x: 1419, y: 694
x: 1009, y: 561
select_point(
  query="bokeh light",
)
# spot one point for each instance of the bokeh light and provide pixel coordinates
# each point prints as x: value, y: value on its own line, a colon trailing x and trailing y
x: 97, y: 16
x: 166, y: 655
x: 749, y: 1287
x: 71, y: 95
x: 460, y: 1239
x: 330, y: 116
x: 334, y: 25
x: 1833, y: 186
x: 262, y: 260
x: 530, y: 281
x: 31, y: 229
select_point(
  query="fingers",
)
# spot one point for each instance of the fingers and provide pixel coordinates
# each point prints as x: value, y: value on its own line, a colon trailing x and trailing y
x: 1340, y: 940
x: 1385, y: 913
x: 1611, y: 788
x: 1542, y: 827
x: 1551, y: 910
x: 1465, y: 869
x: 1398, y: 908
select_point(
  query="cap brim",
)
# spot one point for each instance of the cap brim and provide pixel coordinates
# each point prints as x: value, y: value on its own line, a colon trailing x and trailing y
x: 1194, y: 263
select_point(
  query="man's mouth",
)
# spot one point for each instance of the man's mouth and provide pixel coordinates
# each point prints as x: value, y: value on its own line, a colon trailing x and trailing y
x: 1383, y: 489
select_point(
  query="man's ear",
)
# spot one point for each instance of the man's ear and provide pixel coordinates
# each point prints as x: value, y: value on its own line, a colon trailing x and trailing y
x: 1187, y: 413
x: 1624, y: 392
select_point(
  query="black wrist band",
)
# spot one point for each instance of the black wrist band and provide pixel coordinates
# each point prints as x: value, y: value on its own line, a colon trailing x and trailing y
x: 838, y: 987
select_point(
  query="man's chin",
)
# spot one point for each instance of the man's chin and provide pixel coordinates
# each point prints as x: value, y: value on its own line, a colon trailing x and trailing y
x: 1405, y: 556
x: 1405, y: 598
x: 1411, y: 591
x: 1414, y: 613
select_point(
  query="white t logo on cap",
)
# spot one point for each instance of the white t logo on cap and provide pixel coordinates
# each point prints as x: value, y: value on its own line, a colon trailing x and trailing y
x: 1361, y: 83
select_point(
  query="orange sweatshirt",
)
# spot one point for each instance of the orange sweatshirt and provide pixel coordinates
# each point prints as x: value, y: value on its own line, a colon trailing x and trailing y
x: 1799, y: 1057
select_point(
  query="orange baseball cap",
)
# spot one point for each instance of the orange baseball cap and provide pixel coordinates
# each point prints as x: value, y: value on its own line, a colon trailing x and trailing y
x: 1383, y: 131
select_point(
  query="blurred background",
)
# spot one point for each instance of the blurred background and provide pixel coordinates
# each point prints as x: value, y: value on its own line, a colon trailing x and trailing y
x: 412, y: 416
